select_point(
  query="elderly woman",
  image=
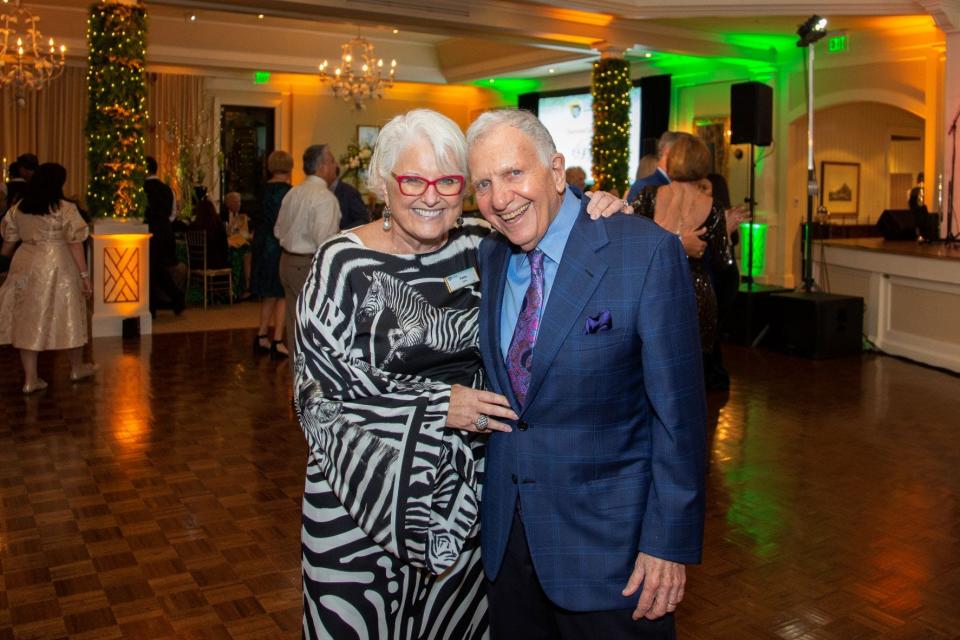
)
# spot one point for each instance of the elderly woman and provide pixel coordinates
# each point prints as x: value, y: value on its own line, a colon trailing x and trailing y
x: 238, y: 239
x: 388, y: 379
x: 265, y: 278
x: 685, y: 207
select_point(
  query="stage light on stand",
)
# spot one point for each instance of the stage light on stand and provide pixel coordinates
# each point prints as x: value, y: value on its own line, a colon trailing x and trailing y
x: 812, y: 30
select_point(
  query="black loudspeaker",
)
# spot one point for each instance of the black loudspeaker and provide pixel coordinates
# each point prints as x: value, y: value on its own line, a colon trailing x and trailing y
x: 751, y: 114
x: 750, y: 315
x: 816, y: 325
x: 654, y: 111
x: 896, y: 224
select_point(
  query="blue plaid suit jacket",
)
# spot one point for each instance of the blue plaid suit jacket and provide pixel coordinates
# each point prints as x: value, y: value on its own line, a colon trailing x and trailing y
x: 612, y: 460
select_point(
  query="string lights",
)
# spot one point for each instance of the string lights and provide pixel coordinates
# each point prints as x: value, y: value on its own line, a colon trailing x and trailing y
x: 611, y: 123
x: 117, y: 113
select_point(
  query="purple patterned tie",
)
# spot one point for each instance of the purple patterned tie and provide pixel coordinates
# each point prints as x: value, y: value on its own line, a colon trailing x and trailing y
x: 520, y: 353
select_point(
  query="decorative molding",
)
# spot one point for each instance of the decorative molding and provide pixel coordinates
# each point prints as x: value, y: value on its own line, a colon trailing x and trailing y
x: 121, y: 274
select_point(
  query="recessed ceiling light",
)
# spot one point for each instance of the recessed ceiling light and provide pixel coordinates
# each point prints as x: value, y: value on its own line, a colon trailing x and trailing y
x: 491, y: 80
x: 648, y: 55
x: 396, y: 30
x: 551, y: 70
x: 260, y: 16
x: 193, y: 17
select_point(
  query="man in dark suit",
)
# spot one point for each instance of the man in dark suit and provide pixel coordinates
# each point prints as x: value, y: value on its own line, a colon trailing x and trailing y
x: 590, y: 330
x: 163, y: 248
x: 659, y: 176
x: 353, y: 212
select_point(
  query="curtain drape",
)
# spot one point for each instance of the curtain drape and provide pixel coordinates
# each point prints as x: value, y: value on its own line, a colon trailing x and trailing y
x: 51, y: 122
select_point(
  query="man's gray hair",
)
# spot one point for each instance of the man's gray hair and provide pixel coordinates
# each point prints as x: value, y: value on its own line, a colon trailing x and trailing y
x: 442, y: 133
x: 666, y: 141
x: 519, y: 119
x: 313, y: 158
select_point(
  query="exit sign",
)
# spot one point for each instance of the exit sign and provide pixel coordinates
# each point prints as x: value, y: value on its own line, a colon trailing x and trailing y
x: 261, y: 77
x: 836, y: 44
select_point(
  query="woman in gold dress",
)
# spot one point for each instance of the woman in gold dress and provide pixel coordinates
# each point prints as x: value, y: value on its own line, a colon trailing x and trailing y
x: 42, y: 301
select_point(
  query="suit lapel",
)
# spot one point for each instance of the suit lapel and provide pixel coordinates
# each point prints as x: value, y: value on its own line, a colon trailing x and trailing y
x: 577, y: 278
x: 495, y: 280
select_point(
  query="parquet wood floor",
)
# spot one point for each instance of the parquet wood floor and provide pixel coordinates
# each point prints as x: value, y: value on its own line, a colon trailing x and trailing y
x: 162, y: 500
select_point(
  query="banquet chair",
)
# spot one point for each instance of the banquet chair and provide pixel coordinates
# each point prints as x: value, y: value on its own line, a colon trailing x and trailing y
x: 211, y: 279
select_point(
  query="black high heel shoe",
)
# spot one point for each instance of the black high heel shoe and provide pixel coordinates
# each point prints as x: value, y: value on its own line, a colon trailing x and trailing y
x: 258, y: 345
x: 275, y: 350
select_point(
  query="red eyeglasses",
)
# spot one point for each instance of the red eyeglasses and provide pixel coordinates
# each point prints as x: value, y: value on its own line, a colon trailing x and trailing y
x: 417, y: 186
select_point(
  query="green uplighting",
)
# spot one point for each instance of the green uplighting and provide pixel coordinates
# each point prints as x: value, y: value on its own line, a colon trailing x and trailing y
x: 757, y: 235
x: 261, y: 77
x: 509, y: 88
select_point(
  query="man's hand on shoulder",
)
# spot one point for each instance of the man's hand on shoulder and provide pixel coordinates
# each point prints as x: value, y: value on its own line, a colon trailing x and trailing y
x: 663, y: 583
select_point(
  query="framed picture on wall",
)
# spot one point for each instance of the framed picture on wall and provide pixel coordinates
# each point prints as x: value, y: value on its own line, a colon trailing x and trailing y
x: 840, y: 188
x: 367, y: 135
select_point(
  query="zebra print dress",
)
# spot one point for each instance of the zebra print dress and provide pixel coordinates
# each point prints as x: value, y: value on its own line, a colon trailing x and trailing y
x: 389, y: 539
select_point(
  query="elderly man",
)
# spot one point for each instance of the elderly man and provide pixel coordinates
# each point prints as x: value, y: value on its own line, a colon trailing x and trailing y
x: 659, y: 176
x: 590, y: 329
x: 309, y: 214
x: 577, y: 177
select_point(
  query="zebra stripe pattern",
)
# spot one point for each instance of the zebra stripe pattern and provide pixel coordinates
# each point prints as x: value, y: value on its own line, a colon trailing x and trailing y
x: 389, y: 539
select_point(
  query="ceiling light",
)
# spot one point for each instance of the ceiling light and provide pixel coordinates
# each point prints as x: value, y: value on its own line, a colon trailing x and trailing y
x: 396, y: 30
x: 648, y: 55
x: 551, y: 70
x: 364, y: 84
x: 193, y: 17
x: 259, y: 16
x: 27, y: 61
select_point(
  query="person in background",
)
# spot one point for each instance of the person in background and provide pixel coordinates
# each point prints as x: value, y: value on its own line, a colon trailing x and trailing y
x: 265, y: 277
x: 726, y: 280
x: 309, y: 214
x: 207, y: 219
x: 163, y: 247
x: 686, y: 208
x: 577, y: 177
x: 43, y: 300
x: 657, y: 176
x: 15, y: 185
x: 353, y: 212
x: 238, y: 237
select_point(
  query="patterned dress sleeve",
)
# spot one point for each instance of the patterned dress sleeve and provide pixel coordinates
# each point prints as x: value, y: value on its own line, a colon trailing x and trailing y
x: 378, y: 436
x: 76, y: 228
x: 8, y: 228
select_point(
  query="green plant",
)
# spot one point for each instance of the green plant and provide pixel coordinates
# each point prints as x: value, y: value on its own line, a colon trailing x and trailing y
x: 117, y: 111
x: 611, y: 124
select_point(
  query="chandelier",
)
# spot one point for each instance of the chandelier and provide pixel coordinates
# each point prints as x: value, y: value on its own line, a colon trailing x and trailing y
x: 358, y: 86
x: 26, y: 62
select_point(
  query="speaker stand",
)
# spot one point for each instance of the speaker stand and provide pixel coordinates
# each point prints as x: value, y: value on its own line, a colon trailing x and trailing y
x: 812, y: 189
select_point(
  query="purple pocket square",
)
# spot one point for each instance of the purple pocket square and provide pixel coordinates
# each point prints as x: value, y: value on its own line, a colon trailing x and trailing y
x: 600, y: 322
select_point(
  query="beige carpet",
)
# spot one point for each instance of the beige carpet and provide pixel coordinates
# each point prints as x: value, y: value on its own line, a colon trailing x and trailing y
x: 241, y: 315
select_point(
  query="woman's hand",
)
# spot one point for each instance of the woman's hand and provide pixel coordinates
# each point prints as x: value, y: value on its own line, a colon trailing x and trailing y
x: 693, y: 245
x: 86, y: 286
x: 734, y: 216
x: 467, y: 405
x: 604, y: 204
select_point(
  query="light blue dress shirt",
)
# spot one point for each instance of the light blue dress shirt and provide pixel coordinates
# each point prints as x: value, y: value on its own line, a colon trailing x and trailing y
x: 518, y: 269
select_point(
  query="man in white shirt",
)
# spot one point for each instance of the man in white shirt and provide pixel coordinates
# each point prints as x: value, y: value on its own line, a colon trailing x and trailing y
x: 309, y: 214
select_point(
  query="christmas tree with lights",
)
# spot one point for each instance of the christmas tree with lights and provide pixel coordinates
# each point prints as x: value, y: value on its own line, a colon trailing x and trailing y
x: 117, y: 112
x: 611, y: 124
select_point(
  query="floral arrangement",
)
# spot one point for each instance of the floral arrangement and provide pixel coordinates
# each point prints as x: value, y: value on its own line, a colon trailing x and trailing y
x: 354, y: 162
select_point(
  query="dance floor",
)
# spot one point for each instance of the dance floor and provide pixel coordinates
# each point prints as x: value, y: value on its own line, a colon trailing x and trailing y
x: 162, y: 500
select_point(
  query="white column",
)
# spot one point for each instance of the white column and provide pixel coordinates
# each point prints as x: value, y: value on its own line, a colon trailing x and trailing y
x: 951, y: 106
x: 121, y: 276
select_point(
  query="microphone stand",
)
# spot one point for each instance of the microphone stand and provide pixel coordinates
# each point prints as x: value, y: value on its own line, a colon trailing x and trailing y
x: 951, y: 237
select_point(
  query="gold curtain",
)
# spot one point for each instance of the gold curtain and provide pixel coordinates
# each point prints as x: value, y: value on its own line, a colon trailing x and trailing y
x: 51, y: 122
x: 178, y: 112
x: 50, y: 125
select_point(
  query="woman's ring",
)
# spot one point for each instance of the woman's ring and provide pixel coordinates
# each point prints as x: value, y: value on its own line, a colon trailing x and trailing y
x: 482, y: 422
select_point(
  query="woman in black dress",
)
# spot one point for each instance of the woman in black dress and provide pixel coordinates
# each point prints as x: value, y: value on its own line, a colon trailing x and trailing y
x: 685, y: 207
x: 265, y: 278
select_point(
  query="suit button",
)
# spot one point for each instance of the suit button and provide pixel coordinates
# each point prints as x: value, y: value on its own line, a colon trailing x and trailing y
x: 513, y: 477
x: 522, y: 425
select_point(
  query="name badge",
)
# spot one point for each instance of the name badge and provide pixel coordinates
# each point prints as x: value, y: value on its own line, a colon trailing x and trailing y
x: 462, y: 279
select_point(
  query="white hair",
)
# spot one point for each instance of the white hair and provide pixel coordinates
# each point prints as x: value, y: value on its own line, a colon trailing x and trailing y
x: 519, y: 119
x: 233, y: 195
x: 443, y: 134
